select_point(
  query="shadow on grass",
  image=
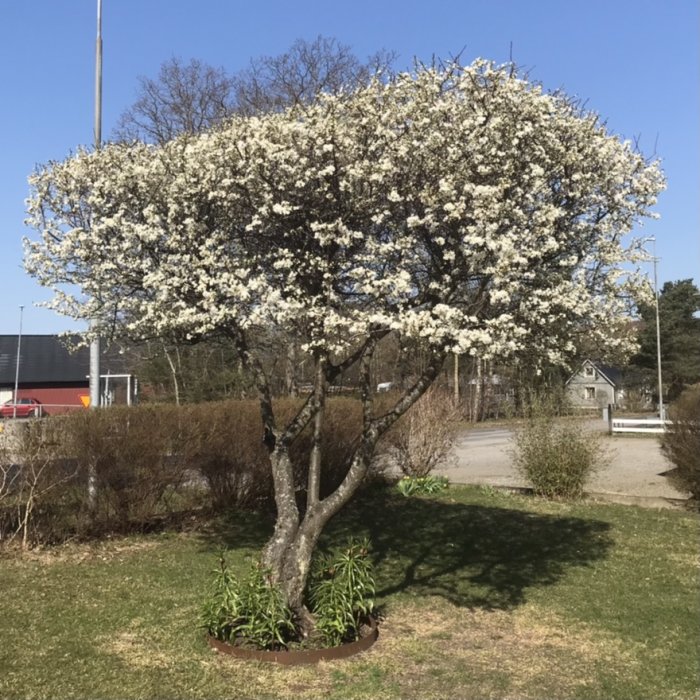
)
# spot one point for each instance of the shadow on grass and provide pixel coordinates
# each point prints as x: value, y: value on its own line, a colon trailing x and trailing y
x: 237, y: 530
x: 472, y: 555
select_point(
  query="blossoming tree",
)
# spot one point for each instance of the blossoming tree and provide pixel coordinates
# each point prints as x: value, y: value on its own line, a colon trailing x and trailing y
x: 462, y: 207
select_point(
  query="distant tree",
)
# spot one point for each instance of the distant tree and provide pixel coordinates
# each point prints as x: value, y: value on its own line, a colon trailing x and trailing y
x: 680, y: 339
x: 191, y: 98
x: 183, y: 99
x: 459, y: 206
x: 304, y: 71
x: 190, y: 373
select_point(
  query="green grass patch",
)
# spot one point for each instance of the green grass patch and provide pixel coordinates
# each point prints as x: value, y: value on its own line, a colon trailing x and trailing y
x: 485, y: 594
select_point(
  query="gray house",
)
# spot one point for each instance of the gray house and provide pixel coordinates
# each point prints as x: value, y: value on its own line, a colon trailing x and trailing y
x: 595, y: 386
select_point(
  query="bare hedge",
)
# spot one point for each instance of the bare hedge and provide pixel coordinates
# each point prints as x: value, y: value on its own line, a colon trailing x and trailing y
x: 148, y: 461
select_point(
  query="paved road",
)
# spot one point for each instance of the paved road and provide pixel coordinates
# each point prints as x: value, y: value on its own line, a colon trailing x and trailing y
x: 633, y: 470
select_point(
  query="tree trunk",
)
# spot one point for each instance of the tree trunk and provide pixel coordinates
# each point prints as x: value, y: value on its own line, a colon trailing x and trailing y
x: 289, y: 552
x: 291, y: 369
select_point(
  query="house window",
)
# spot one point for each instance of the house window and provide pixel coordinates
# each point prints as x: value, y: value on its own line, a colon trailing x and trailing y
x: 590, y: 393
x: 589, y: 371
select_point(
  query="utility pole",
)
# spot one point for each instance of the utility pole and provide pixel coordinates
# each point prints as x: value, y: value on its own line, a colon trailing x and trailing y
x: 95, y: 343
x: 19, y: 347
x: 662, y: 410
x: 456, y: 379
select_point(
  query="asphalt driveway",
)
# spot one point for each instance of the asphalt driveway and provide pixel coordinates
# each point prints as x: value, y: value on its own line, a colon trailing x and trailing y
x: 633, y: 470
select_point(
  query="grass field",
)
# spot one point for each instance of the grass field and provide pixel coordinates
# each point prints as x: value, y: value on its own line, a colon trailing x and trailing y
x: 484, y: 595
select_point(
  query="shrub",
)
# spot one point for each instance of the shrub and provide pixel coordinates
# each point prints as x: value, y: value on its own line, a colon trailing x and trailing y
x: 681, y: 442
x: 134, y: 455
x: 147, y: 461
x: 425, y: 435
x: 341, y: 590
x: 224, y: 445
x: 341, y: 432
x: 556, y: 456
x: 35, y: 475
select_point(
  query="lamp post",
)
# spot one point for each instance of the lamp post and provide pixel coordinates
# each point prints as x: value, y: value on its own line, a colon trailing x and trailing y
x: 662, y: 410
x: 95, y: 343
x: 19, y: 347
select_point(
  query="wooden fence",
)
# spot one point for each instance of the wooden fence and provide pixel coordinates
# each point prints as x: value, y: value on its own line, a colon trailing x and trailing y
x: 638, y: 425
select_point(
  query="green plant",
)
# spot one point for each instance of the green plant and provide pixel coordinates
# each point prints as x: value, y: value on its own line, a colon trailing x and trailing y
x: 251, y: 611
x: 422, y: 485
x: 557, y: 456
x: 681, y: 442
x: 342, y: 591
x: 222, y: 609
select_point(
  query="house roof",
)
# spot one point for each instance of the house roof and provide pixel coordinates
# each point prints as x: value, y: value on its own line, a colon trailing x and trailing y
x: 47, y: 359
x: 612, y: 375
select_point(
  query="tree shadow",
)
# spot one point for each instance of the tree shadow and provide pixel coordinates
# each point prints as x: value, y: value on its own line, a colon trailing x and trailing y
x: 472, y: 555
x: 236, y: 529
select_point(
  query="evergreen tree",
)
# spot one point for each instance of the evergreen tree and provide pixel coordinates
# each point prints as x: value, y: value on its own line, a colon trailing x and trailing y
x: 680, y: 339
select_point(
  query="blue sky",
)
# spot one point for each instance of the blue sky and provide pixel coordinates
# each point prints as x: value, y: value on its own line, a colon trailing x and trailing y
x: 635, y: 62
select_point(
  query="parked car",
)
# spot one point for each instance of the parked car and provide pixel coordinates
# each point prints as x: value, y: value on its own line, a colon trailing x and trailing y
x: 24, y: 408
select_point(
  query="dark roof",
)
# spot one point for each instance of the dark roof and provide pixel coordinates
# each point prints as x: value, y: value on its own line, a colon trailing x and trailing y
x: 612, y: 374
x: 49, y: 359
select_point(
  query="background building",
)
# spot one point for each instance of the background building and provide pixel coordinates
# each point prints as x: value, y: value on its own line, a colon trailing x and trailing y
x: 55, y: 372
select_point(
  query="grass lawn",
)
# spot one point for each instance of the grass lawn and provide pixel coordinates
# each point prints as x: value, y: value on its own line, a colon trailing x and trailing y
x: 485, y: 595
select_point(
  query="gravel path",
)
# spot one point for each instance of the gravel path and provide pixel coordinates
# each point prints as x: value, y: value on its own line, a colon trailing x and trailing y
x: 633, y: 471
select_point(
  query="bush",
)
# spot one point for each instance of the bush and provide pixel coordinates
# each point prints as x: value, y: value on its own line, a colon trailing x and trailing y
x: 134, y: 455
x: 36, y: 477
x: 556, y: 456
x: 423, y: 437
x: 224, y: 445
x: 681, y: 442
x: 148, y: 461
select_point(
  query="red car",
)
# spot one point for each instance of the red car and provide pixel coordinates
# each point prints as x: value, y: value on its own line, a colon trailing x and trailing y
x: 24, y: 408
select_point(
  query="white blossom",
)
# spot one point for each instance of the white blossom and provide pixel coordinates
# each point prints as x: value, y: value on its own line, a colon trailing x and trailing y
x: 463, y: 207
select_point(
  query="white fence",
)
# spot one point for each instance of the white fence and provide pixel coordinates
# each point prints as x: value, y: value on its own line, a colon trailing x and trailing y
x: 638, y: 425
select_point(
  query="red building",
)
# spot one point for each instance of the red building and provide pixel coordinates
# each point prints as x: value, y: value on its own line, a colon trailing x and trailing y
x: 58, y: 376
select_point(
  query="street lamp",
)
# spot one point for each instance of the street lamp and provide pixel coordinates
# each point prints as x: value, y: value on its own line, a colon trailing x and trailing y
x: 95, y: 343
x: 19, y: 346
x: 662, y: 410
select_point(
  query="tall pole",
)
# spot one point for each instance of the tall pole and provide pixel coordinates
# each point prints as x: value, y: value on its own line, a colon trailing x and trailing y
x: 662, y: 411
x: 19, y: 347
x: 95, y: 343
x: 456, y: 379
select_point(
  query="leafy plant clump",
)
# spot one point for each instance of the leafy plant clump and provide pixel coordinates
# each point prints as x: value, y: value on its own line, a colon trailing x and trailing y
x: 342, y: 591
x: 422, y: 485
x: 250, y: 611
x: 557, y: 456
